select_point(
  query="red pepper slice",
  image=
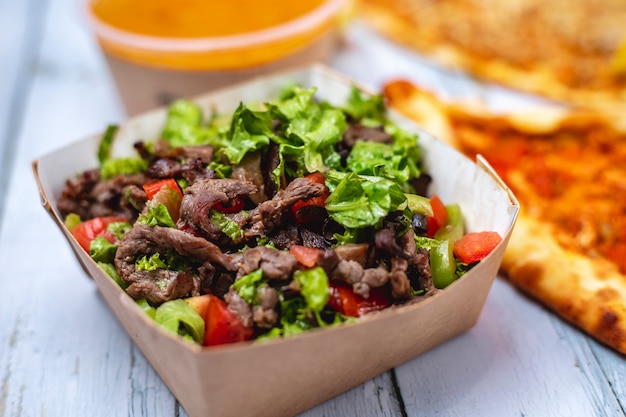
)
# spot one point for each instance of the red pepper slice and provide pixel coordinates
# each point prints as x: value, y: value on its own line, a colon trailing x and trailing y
x: 221, y: 325
x: 154, y: 187
x: 233, y: 206
x: 439, y: 217
x: 345, y: 301
x: 88, y: 230
x: 475, y: 246
x: 307, y: 256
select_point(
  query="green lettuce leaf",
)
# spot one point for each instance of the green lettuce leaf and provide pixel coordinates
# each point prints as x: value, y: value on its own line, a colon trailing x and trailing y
x: 122, y: 166
x: 247, y: 285
x: 369, y: 110
x: 179, y: 317
x: 228, y: 226
x: 145, y: 306
x: 101, y: 250
x: 359, y: 201
x: 184, y: 126
x: 156, y: 215
x: 313, y: 287
x: 112, y: 272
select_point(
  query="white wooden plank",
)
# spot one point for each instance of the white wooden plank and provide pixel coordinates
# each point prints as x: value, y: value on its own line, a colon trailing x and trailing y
x: 376, y: 397
x: 63, y: 353
x: 66, y: 354
x: 20, y: 34
x: 518, y: 360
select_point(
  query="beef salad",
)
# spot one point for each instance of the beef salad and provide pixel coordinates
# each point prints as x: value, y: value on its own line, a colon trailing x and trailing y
x: 281, y: 217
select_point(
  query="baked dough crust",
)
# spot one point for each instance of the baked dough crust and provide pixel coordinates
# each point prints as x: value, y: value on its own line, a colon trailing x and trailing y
x: 572, y: 51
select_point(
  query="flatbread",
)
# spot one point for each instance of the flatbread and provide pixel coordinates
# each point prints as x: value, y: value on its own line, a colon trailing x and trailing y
x: 568, y: 170
x: 568, y: 50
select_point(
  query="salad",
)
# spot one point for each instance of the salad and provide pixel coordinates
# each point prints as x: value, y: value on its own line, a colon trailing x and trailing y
x: 279, y: 218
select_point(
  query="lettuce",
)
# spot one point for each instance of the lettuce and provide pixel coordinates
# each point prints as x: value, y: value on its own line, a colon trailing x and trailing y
x: 370, y: 111
x: 313, y: 287
x: 101, y: 250
x: 228, y: 226
x: 156, y: 215
x: 179, y: 317
x: 122, y: 166
x: 359, y: 201
x: 184, y: 126
x: 247, y: 285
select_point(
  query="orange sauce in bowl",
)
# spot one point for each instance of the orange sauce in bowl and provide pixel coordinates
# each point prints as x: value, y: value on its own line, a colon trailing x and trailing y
x: 199, y: 18
x: 209, y: 34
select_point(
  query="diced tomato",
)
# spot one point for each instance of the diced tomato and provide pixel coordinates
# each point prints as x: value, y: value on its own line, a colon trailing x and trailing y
x: 154, y: 187
x: 439, y: 217
x: 346, y: 302
x: 88, y: 230
x: 475, y: 246
x: 320, y: 201
x: 221, y: 325
x: 233, y: 206
x: 305, y: 255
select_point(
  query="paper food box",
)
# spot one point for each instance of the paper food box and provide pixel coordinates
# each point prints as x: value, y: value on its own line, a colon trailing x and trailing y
x: 283, y: 376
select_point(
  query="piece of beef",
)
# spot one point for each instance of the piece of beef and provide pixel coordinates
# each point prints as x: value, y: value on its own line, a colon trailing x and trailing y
x: 285, y: 236
x: 358, y: 132
x: 268, y: 165
x: 192, y: 170
x: 269, y: 214
x: 353, y: 252
x: 89, y: 196
x: 249, y: 171
x: 264, y: 314
x: 239, y: 307
x: 276, y: 264
x: 163, y: 149
x: 202, y: 196
x: 162, y: 284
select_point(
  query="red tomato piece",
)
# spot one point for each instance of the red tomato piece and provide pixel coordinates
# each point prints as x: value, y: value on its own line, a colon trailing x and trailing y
x: 221, y: 326
x: 320, y: 201
x: 154, y: 187
x: 233, y: 206
x: 475, y: 246
x: 346, y: 302
x: 305, y: 255
x: 88, y: 230
x: 439, y: 217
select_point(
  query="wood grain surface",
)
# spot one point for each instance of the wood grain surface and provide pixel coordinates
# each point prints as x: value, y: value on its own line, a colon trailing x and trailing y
x: 62, y: 353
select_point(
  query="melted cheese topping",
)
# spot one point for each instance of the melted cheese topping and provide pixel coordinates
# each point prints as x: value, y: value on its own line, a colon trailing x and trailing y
x: 575, y: 179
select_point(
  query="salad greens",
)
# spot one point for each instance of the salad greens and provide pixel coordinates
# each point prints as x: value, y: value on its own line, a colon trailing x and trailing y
x: 368, y: 185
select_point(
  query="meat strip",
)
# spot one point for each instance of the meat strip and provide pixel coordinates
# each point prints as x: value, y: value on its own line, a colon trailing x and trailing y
x: 163, y: 285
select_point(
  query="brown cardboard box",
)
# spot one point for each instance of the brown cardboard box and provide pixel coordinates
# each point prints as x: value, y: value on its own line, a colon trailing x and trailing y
x: 284, y: 377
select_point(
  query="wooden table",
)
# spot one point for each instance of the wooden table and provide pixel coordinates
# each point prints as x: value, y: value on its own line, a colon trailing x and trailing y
x: 62, y: 353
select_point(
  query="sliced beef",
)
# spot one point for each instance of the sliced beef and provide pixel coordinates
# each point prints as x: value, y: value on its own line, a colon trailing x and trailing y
x: 269, y: 214
x: 89, y: 196
x: 163, y: 149
x: 369, y: 134
x: 269, y: 164
x: 264, y: 314
x: 192, y: 170
x: 202, y: 196
x: 285, y: 236
x: 163, y: 285
x: 239, y: 307
x: 249, y: 171
x: 276, y: 264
